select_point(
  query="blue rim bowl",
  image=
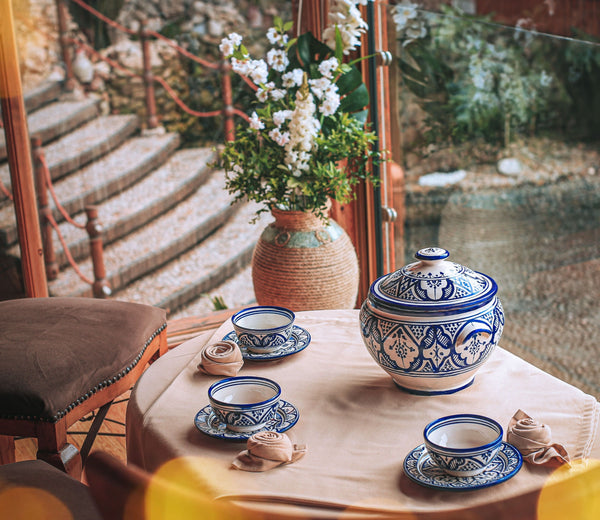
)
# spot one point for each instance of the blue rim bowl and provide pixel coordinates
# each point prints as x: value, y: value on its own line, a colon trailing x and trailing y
x: 244, y: 403
x: 463, y: 445
x: 263, y: 328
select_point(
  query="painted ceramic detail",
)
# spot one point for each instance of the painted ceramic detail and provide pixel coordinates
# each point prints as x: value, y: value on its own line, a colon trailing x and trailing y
x: 299, y: 339
x: 244, y: 403
x: 432, y: 324
x: 263, y: 328
x: 208, y: 423
x: 419, y: 467
x: 464, y: 444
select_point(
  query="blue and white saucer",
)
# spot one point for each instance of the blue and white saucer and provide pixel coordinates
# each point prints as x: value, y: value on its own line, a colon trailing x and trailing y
x: 419, y: 467
x: 206, y: 421
x: 298, y: 340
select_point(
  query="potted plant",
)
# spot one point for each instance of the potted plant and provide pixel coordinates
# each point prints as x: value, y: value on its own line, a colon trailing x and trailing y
x: 307, y: 143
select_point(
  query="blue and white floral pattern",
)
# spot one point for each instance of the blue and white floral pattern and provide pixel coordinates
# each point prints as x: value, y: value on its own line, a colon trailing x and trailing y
x: 432, y: 319
x: 431, y: 349
x: 299, y: 339
x: 207, y: 422
x: 419, y: 467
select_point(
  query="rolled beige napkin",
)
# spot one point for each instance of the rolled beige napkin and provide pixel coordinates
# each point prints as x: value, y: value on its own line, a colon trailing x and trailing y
x: 268, y: 450
x: 534, y: 440
x: 223, y: 358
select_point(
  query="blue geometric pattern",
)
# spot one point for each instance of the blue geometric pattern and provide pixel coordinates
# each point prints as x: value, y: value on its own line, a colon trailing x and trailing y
x: 432, y: 284
x: 430, y: 349
x: 208, y: 423
x: 419, y: 467
x: 299, y: 339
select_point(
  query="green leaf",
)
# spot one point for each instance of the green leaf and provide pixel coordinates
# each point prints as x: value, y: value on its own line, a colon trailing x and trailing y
x: 303, y: 45
x: 287, y: 26
x: 339, y: 45
x: 361, y: 116
x: 349, y: 81
x: 357, y: 100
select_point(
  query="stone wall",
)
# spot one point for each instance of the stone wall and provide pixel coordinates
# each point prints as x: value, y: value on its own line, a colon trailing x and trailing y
x: 37, y: 40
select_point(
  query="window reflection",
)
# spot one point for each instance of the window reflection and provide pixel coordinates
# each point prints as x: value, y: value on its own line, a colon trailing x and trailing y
x: 499, y: 120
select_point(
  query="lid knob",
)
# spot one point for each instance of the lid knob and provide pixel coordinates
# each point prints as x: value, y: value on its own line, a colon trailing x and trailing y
x: 431, y: 254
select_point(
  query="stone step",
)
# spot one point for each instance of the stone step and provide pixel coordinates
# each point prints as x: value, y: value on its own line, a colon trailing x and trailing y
x: 100, y: 179
x: 57, y: 119
x: 203, y: 268
x: 236, y: 292
x: 133, y: 208
x: 41, y: 95
x: 164, y: 239
x: 82, y: 146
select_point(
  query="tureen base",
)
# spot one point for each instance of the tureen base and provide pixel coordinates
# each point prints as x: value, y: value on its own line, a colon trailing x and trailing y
x: 441, y: 391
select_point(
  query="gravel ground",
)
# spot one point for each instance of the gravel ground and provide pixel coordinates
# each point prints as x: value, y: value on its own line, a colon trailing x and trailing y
x: 537, y: 234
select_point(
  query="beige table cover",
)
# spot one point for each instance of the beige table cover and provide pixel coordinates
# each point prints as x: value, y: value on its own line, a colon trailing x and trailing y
x: 357, y: 424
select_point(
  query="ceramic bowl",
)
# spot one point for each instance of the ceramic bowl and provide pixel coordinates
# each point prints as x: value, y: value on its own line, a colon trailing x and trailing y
x: 263, y: 329
x: 432, y: 324
x: 463, y: 445
x: 244, y: 403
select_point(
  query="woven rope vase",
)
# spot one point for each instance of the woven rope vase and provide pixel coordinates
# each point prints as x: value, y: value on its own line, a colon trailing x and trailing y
x: 302, y: 263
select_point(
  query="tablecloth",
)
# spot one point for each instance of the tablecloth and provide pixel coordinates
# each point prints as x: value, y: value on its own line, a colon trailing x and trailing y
x: 358, y: 425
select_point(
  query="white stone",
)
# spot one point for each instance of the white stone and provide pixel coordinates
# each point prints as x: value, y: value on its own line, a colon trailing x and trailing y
x: 442, y: 178
x: 509, y: 166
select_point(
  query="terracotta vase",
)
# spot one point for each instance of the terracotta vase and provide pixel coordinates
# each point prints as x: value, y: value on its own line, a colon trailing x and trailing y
x: 302, y: 263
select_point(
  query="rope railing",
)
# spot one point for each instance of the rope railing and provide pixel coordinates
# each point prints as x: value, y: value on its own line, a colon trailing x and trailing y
x: 228, y: 111
x: 100, y: 287
x: 42, y: 172
x: 50, y: 186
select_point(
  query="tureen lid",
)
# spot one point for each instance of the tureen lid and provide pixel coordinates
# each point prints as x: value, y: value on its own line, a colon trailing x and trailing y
x: 432, y: 285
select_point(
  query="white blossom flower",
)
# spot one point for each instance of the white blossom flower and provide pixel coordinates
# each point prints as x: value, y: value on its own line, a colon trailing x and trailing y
x: 258, y: 71
x: 327, y: 67
x: 330, y: 103
x: 262, y: 95
x: 255, y: 122
x: 276, y: 38
x: 346, y: 18
x: 320, y: 86
x: 277, y: 94
x: 281, y: 138
x: 277, y: 59
x: 415, y: 30
x: 303, y: 128
x: 292, y: 78
x: 281, y: 116
x: 403, y: 12
x: 230, y: 44
x: 240, y: 67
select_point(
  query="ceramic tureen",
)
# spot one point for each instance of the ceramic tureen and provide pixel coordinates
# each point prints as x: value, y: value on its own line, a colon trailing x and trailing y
x: 432, y: 324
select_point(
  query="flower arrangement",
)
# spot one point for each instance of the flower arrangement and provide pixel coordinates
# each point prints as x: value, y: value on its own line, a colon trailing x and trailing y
x: 309, y: 117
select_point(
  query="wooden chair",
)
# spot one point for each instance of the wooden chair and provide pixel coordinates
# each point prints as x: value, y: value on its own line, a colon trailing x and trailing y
x: 34, y: 490
x: 61, y: 359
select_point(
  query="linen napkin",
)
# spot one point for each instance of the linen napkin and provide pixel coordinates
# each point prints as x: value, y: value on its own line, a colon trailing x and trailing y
x: 267, y: 450
x: 222, y: 358
x: 534, y: 440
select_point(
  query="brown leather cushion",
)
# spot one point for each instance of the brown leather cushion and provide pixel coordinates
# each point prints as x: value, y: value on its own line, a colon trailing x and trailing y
x: 34, y: 489
x: 57, y: 352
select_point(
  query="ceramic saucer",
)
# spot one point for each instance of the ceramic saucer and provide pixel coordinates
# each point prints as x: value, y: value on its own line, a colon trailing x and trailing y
x: 206, y: 421
x: 299, y: 340
x: 419, y: 467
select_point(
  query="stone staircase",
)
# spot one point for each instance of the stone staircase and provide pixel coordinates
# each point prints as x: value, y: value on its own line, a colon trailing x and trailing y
x: 171, y: 236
